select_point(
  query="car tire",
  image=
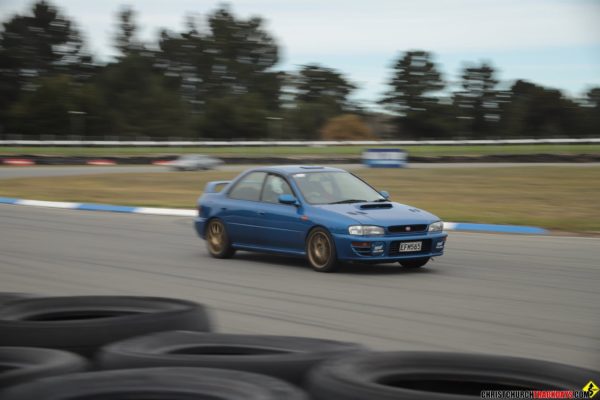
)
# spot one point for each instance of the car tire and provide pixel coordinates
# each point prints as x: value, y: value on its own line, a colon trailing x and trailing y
x: 417, y: 263
x: 320, y: 251
x: 23, y: 364
x: 284, y: 357
x: 443, y: 376
x: 217, y: 239
x: 83, y: 324
x: 157, y: 383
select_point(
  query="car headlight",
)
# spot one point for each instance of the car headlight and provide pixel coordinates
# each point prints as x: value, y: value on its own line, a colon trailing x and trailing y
x: 365, y: 230
x: 436, y: 227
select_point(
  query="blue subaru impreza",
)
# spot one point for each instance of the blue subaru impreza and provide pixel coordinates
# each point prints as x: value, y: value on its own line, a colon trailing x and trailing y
x: 327, y: 215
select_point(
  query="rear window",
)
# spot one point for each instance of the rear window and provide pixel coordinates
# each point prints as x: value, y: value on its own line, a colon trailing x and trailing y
x: 249, y: 187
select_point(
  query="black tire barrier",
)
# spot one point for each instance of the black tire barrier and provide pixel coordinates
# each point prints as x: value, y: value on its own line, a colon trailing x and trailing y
x: 285, y: 357
x: 22, y: 364
x: 436, y: 375
x: 7, y: 297
x: 157, y: 384
x: 83, y: 324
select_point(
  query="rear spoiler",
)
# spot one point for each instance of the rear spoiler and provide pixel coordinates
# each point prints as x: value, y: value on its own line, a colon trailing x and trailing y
x: 215, y: 186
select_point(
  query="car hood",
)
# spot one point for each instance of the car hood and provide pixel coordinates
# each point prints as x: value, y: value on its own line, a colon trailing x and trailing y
x: 382, y: 214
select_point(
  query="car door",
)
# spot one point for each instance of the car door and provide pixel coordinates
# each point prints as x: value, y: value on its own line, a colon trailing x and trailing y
x: 241, y: 209
x: 281, y: 225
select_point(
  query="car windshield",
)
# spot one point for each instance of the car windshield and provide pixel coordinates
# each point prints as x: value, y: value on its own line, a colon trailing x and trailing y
x: 334, y: 188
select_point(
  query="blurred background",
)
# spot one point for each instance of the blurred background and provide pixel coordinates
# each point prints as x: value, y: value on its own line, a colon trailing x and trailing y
x: 300, y: 70
x: 153, y: 80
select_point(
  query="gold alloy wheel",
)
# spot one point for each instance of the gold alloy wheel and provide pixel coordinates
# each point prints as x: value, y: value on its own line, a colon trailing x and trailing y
x: 319, y: 249
x: 216, y: 237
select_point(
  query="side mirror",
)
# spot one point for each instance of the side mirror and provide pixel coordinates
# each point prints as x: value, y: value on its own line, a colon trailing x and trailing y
x: 385, y: 194
x: 288, y: 199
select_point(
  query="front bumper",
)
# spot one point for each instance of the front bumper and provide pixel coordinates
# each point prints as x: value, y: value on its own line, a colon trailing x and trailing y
x: 386, y: 248
x: 199, y: 224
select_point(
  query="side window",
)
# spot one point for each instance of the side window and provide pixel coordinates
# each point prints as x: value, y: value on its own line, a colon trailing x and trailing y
x: 248, y: 188
x: 274, y: 187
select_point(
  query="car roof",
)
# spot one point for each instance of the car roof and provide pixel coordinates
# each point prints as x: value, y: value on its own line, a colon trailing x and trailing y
x: 297, y: 169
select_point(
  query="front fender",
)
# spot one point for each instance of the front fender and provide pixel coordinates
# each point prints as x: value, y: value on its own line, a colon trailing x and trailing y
x: 333, y: 222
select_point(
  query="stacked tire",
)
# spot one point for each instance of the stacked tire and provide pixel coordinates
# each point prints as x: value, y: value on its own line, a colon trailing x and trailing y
x: 7, y: 297
x: 144, y: 347
x: 169, y: 383
x: 83, y: 324
x: 438, y: 375
x: 117, y: 347
x: 284, y: 357
x: 23, y: 364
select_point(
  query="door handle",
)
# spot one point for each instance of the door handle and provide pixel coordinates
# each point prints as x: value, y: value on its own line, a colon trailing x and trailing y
x: 260, y: 212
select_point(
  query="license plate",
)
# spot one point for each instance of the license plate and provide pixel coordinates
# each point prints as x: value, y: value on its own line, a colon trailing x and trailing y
x: 410, y: 246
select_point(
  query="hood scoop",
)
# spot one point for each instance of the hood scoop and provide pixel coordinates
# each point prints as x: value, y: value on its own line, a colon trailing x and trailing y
x: 373, y: 206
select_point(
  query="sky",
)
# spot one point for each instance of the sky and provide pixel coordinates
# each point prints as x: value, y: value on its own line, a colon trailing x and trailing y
x: 554, y: 43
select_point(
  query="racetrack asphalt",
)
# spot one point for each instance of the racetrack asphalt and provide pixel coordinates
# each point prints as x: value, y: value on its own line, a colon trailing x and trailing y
x: 525, y: 296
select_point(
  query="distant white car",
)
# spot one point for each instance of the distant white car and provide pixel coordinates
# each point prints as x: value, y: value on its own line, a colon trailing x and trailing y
x: 194, y: 162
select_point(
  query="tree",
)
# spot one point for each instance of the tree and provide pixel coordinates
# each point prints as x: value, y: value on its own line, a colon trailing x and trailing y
x: 140, y: 100
x: 536, y: 111
x: 304, y: 120
x: 241, y: 55
x: 37, y: 45
x: 346, y: 127
x: 414, y: 81
x: 126, y: 39
x: 232, y: 58
x: 231, y: 118
x: 592, y: 112
x: 414, y: 78
x: 477, y: 105
x: 59, y: 107
x: 316, y: 84
x: 184, y: 58
x: 593, y: 97
x: 316, y: 94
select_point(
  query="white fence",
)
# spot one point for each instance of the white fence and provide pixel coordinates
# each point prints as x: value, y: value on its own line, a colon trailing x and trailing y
x: 298, y: 143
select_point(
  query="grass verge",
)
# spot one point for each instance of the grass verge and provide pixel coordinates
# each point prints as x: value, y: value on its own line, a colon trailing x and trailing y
x: 564, y: 199
x: 423, y: 151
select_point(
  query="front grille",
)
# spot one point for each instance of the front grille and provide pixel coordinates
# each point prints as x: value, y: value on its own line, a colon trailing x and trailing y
x: 395, y: 246
x: 407, y: 228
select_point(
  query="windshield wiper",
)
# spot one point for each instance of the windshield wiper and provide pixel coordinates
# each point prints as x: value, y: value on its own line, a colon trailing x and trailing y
x: 380, y: 200
x: 348, y: 201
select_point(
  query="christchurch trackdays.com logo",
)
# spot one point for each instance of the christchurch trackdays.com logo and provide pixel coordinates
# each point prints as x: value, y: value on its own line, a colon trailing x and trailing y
x: 588, y: 391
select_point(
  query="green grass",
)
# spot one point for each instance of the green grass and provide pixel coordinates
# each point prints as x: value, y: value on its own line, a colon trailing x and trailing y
x: 290, y: 150
x: 564, y: 199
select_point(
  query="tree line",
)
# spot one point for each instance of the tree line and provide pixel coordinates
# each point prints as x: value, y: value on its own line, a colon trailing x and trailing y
x: 218, y: 79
